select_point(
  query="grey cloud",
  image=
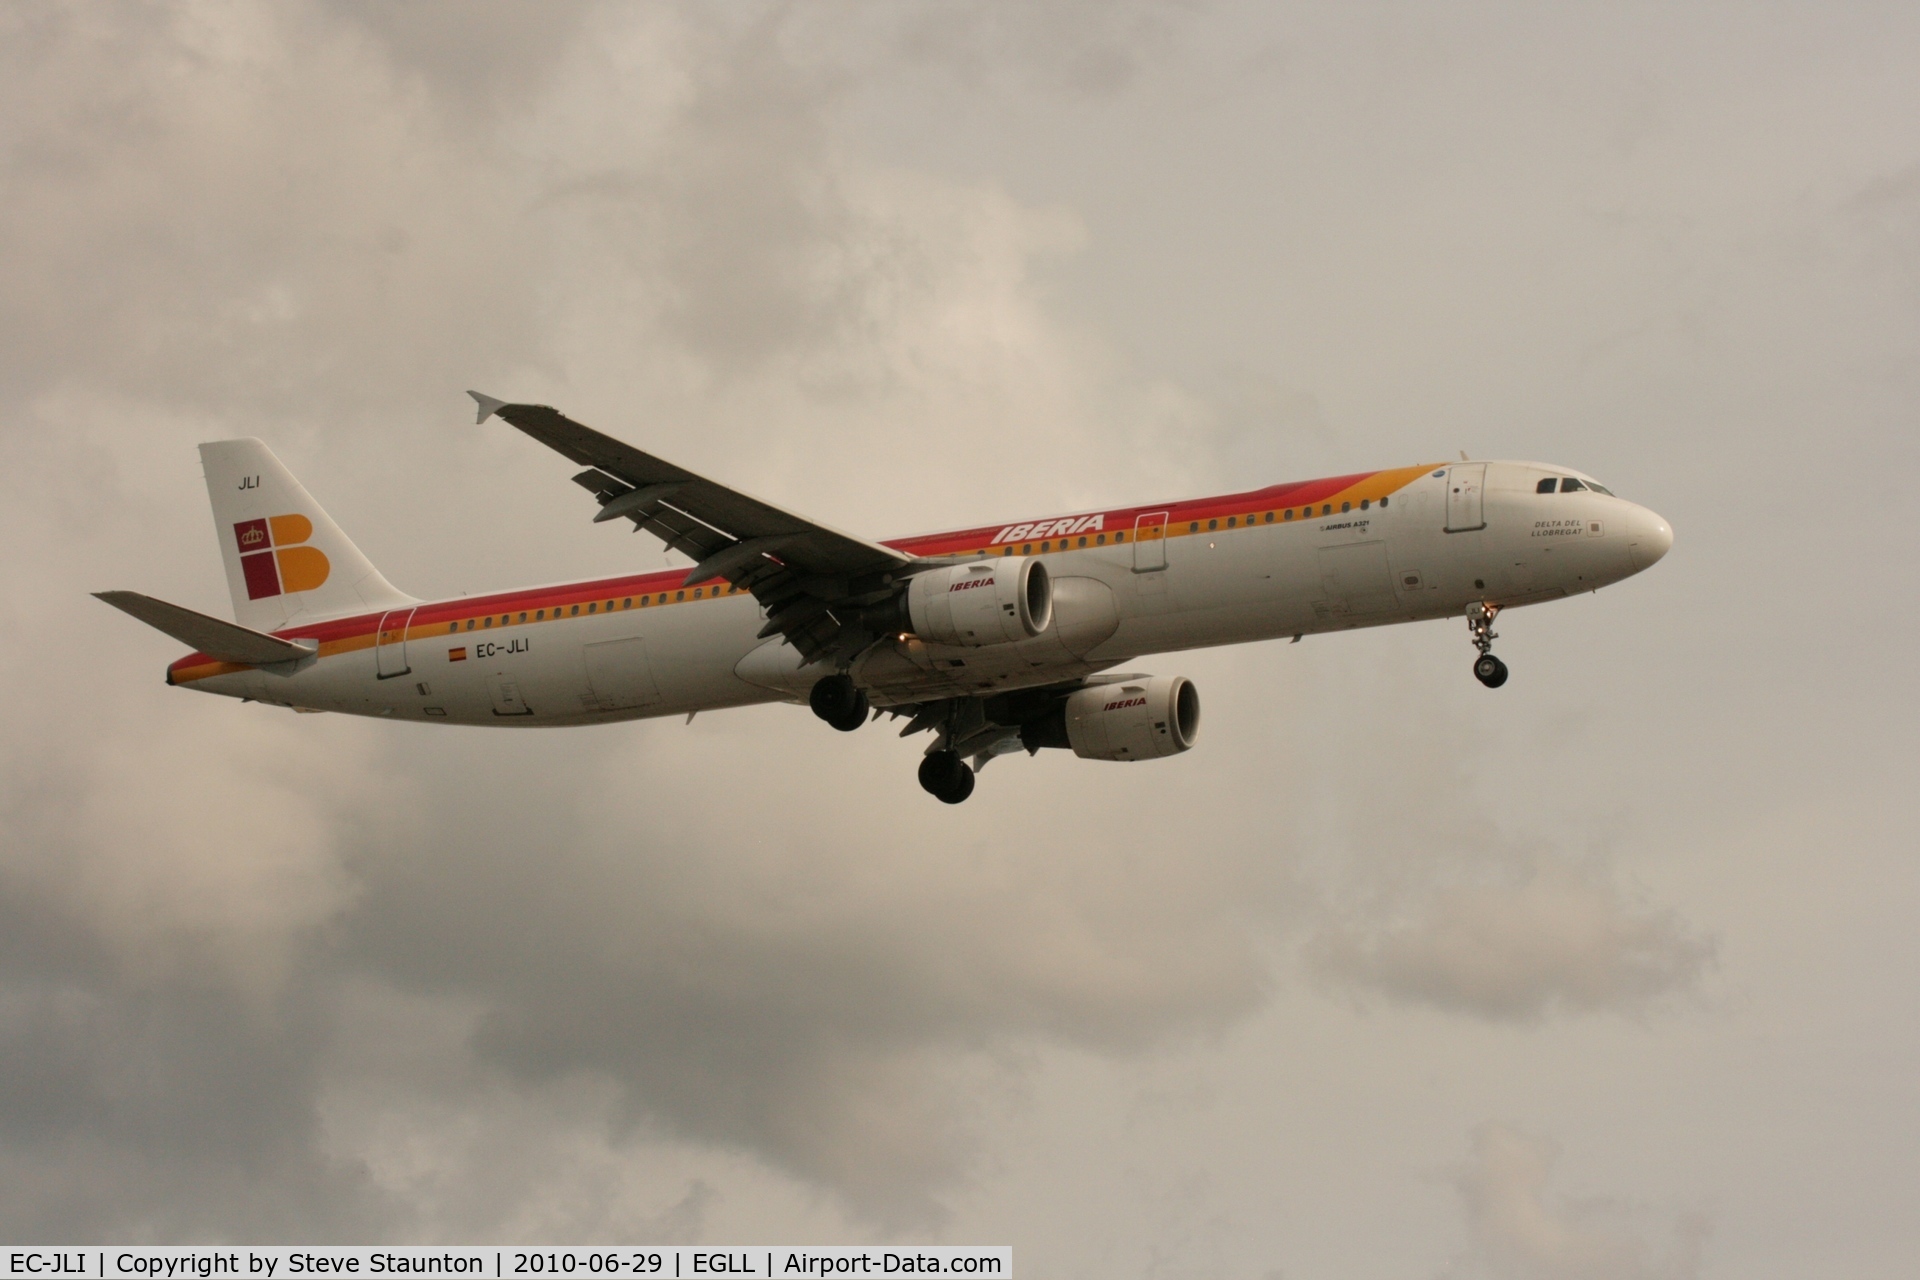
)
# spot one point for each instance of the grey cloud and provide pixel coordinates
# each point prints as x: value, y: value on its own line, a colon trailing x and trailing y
x: 206, y: 204
x: 1520, y: 1231
x: 315, y: 978
x: 1426, y: 898
x: 1539, y: 936
x: 480, y: 60
x: 284, y: 223
x: 1093, y: 50
x: 839, y: 1005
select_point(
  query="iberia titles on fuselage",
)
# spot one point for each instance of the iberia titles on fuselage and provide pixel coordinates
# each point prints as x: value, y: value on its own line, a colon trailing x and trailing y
x: 996, y: 639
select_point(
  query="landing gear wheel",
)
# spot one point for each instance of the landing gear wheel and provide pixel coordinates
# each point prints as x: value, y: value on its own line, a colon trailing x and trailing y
x: 1487, y: 669
x: 946, y: 777
x: 836, y: 700
x: 855, y: 716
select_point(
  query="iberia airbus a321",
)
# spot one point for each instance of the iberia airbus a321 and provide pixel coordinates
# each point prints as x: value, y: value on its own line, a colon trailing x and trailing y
x: 996, y: 639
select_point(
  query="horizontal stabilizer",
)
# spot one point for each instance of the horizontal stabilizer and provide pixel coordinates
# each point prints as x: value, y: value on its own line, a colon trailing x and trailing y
x: 225, y: 641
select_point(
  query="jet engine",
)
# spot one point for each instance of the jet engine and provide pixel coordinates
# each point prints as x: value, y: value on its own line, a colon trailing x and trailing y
x: 1130, y: 720
x: 996, y: 601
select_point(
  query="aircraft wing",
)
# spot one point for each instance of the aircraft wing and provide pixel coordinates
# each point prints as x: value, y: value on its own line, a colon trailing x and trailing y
x: 811, y: 579
x: 226, y: 641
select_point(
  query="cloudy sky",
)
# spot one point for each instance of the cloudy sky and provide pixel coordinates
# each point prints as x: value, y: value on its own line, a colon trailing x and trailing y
x: 1611, y: 973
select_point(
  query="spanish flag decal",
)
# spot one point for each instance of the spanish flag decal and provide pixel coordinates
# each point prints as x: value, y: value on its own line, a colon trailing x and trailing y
x: 457, y: 655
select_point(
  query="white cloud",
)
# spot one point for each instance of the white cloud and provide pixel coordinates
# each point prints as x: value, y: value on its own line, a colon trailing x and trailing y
x: 1516, y: 941
x: 1520, y: 1231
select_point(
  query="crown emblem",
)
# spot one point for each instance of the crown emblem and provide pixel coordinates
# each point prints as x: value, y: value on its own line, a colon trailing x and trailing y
x: 274, y: 559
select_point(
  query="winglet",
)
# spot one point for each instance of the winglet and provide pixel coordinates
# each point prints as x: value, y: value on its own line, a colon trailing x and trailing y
x: 488, y: 406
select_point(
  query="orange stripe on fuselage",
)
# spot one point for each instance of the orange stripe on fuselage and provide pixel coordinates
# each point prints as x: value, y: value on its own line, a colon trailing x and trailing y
x: 653, y: 590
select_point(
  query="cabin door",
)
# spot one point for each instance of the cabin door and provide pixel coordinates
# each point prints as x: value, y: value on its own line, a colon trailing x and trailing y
x: 1466, y: 497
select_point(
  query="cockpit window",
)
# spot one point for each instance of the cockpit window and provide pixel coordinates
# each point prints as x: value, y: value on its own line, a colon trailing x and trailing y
x: 1545, y: 486
x: 1599, y: 488
x: 1568, y: 484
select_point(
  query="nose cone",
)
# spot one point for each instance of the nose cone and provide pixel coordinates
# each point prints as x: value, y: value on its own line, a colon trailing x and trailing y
x: 1649, y: 538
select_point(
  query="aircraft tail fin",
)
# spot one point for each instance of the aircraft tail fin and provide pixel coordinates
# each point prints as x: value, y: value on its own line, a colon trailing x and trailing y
x: 286, y: 560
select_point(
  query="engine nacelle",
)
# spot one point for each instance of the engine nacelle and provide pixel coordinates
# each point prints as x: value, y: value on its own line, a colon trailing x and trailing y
x: 997, y: 601
x: 1135, y: 720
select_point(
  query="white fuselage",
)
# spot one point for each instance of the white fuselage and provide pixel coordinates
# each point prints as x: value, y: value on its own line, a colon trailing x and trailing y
x: 514, y: 659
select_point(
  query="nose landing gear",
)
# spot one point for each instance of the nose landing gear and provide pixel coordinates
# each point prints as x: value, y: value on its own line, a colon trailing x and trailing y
x: 1487, y: 669
x: 946, y: 776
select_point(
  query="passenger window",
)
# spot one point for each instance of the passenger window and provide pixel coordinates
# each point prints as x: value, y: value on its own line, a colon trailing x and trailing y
x: 452, y: 627
x: 1027, y: 550
x: 1545, y: 486
x: 1100, y: 541
x: 1383, y: 502
x: 1230, y: 520
x: 487, y: 621
x: 1363, y: 504
x: 678, y: 596
x: 1120, y: 537
x: 576, y: 611
x: 1083, y: 540
x: 1212, y: 525
x: 1269, y: 517
x: 1326, y: 508
x: 1569, y: 484
x: 1194, y: 527
x: 1289, y: 514
x: 1346, y: 506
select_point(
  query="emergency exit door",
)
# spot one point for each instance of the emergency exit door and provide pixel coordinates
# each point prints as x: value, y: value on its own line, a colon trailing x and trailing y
x: 1150, y: 542
x: 390, y: 645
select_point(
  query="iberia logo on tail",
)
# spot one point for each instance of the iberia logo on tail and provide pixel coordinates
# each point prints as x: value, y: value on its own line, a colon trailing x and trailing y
x: 273, y: 558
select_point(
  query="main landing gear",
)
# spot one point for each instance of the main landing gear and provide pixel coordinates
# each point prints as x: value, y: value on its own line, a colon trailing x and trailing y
x: 946, y: 776
x: 1487, y: 669
x: 839, y: 702
x: 844, y: 705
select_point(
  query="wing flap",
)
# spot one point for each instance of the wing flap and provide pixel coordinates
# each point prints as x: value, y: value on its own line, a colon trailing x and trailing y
x: 226, y: 641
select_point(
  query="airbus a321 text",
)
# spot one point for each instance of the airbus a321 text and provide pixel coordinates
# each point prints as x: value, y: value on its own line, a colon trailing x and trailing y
x: 996, y: 640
